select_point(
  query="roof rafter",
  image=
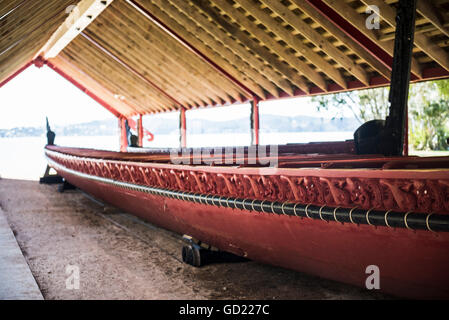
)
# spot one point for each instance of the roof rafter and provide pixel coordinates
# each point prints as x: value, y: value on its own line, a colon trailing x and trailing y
x: 317, y: 39
x: 79, y: 18
x: 358, y: 21
x: 277, y: 48
x: 187, y: 36
x: 144, y: 35
x: 262, y: 52
x: 294, y: 42
x: 340, y: 35
x: 421, y: 40
x: 428, y: 11
x: 194, y: 16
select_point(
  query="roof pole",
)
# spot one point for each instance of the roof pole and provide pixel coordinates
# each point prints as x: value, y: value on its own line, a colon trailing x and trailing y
x: 123, y: 134
x: 255, y: 121
x: 140, y: 130
x: 182, y: 128
x: 396, y: 122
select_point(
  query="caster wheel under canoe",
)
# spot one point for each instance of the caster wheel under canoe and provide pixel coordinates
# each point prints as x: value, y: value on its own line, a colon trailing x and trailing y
x: 193, y: 255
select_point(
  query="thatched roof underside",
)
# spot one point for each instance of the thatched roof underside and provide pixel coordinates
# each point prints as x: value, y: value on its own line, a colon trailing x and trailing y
x: 149, y: 56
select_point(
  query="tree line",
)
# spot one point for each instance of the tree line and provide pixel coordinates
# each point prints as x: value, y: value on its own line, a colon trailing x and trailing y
x: 428, y: 110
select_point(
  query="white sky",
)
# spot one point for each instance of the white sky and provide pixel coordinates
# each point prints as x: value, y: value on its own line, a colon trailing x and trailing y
x: 37, y: 93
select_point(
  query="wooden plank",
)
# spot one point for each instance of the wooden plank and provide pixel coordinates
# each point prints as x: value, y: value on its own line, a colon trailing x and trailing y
x: 79, y: 18
x: 293, y: 41
x: 358, y: 21
x: 272, y: 44
x: 269, y: 58
x: 318, y: 40
x: 235, y: 66
x: 264, y: 75
x: 112, y: 70
x: 177, y: 63
x: 428, y: 10
x: 118, y: 41
x: 422, y: 41
x: 347, y: 41
x: 122, y: 107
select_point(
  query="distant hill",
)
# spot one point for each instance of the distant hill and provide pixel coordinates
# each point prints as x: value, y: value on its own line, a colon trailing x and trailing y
x: 268, y: 123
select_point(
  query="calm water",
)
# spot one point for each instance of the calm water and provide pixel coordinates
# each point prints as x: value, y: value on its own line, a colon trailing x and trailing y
x: 23, y: 158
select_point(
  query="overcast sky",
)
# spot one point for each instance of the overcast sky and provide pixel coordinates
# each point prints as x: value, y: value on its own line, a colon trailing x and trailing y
x: 36, y: 93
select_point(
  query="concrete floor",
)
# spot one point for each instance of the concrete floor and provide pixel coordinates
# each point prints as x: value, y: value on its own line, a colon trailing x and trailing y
x: 121, y: 257
x: 16, y: 280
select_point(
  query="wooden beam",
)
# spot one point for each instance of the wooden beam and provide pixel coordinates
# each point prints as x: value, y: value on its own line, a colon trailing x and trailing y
x: 141, y: 35
x: 285, y: 70
x: 132, y: 70
x: 273, y: 45
x: 354, y: 46
x: 123, y: 106
x: 79, y: 18
x: 428, y: 11
x: 293, y: 41
x: 358, y: 21
x: 187, y: 34
x: 318, y: 40
x: 265, y: 75
x: 421, y: 41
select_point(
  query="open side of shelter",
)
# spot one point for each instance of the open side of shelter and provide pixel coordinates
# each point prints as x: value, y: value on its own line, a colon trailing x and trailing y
x: 347, y: 204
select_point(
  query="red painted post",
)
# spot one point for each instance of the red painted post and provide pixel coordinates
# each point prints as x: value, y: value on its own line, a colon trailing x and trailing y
x: 140, y: 130
x: 182, y: 128
x: 123, y: 135
x: 255, y: 121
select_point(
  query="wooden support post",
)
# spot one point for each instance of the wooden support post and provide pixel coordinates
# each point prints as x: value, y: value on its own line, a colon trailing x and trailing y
x: 255, y: 121
x: 396, y: 122
x: 182, y: 128
x: 123, y: 134
x: 140, y: 130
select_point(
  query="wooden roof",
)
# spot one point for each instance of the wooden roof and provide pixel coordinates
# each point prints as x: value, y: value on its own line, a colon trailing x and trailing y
x: 147, y: 56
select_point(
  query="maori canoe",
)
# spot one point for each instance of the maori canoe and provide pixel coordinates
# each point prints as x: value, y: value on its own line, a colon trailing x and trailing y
x: 322, y: 209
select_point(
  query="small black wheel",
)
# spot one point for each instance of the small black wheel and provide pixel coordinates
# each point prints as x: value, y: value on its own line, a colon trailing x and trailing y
x: 192, y: 255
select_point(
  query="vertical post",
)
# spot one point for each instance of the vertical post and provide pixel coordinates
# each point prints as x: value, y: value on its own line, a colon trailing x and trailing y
x: 123, y: 135
x: 182, y: 128
x: 396, y: 122
x: 140, y: 130
x: 405, y: 151
x: 255, y: 121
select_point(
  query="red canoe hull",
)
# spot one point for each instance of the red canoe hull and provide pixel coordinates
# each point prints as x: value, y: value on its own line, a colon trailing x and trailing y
x: 411, y: 263
x: 333, y: 223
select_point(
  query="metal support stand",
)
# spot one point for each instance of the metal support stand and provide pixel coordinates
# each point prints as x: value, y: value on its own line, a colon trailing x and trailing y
x: 50, y: 178
x: 198, y: 254
x: 65, y: 186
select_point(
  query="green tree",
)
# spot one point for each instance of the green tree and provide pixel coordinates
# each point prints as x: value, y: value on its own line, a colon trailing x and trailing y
x: 428, y: 110
x: 365, y: 105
